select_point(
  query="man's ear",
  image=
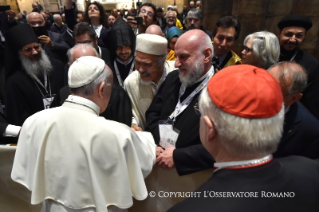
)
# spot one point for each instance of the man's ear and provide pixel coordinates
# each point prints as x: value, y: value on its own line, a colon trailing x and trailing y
x: 211, y: 132
x: 101, y: 90
x: 208, y: 55
x: 295, y: 98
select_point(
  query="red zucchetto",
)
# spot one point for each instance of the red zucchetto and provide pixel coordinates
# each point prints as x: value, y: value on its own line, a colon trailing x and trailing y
x: 246, y: 91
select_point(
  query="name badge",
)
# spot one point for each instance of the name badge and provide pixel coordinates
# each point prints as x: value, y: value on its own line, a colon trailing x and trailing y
x: 168, y: 134
x: 47, y: 102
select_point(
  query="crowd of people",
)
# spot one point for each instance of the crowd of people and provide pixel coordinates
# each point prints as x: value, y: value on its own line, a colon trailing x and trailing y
x: 104, y: 97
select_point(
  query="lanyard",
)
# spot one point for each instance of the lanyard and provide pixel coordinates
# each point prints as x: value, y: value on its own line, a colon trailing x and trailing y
x: 118, y: 72
x: 45, y: 80
x: 180, y: 107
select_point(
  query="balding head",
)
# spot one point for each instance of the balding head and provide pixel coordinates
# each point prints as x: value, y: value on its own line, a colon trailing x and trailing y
x: 35, y: 19
x: 80, y: 50
x: 154, y: 29
x: 193, y: 52
x: 292, y: 79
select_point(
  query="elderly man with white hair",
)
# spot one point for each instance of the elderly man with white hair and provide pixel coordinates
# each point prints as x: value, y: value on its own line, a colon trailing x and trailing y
x: 143, y: 84
x: 74, y: 160
x: 58, y: 26
x: 242, y: 116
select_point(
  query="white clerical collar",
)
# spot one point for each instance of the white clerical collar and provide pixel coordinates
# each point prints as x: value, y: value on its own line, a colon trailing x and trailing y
x: 118, y: 60
x: 84, y: 102
x: 243, y: 163
x: 207, y: 73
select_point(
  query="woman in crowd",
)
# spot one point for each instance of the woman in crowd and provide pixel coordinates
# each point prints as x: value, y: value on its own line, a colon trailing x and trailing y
x: 95, y: 15
x: 172, y: 35
x: 261, y: 49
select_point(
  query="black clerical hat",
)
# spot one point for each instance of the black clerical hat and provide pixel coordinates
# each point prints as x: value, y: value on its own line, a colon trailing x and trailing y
x: 20, y: 35
x: 295, y: 20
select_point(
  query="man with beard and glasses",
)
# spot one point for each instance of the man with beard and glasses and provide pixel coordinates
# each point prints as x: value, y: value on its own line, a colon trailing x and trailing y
x: 172, y: 115
x: 170, y: 21
x: 33, y: 79
x: 143, y: 84
x: 292, y: 32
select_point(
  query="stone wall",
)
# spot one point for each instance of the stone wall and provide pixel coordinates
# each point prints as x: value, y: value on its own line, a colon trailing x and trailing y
x: 257, y: 15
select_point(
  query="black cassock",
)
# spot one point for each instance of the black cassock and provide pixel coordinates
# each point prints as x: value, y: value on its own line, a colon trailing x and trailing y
x: 119, y: 108
x: 310, y: 98
x: 23, y: 95
x: 190, y: 155
x: 290, y: 174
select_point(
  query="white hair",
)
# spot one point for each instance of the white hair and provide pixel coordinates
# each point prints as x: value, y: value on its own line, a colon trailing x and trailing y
x: 89, y: 89
x: 80, y: 46
x: 266, y: 48
x: 170, y: 11
x: 55, y: 16
x: 242, y: 136
x: 36, y: 67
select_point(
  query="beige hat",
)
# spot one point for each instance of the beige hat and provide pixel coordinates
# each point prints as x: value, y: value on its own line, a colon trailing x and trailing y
x: 84, y: 70
x: 151, y: 44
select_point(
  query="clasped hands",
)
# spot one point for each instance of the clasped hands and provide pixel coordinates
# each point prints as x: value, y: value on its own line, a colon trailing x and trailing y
x: 164, y: 158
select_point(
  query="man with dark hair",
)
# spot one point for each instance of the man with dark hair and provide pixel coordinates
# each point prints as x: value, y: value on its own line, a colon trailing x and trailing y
x: 148, y: 13
x: 292, y: 32
x: 161, y: 21
x: 195, y: 20
x: 225, y: 33
x: 300, y: 133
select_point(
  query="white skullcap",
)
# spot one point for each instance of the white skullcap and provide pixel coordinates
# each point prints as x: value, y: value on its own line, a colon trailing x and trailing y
x: 151, y: 44
x: 84, y: 70
x: 169, y: 6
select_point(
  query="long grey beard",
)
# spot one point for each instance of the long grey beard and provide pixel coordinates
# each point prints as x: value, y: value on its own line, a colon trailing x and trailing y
x: 36, y: 67
x: 194, y: 74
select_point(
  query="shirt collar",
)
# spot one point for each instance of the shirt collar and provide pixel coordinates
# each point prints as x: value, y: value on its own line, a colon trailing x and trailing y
x: 85, y: 102
x: 222, y: 165
x: 118, y: 60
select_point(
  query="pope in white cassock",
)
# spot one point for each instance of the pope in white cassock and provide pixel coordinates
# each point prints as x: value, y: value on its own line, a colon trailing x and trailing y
x: 71, y: 159
x: 152, y: 69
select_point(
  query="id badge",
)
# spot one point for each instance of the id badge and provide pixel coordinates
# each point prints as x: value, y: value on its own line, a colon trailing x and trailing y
x: 47, y: 102
x: 168, y: 135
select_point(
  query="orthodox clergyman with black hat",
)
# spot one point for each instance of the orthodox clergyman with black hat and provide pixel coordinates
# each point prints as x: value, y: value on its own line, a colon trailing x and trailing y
x: 292, y: 32
x: 121, y: 42
x: 33, y: 78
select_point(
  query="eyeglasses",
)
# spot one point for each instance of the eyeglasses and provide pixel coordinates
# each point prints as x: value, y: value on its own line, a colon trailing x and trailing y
x: 149, y: 13
x: 247, y: 49
x: 35, y: 23
x: 29, y: 49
